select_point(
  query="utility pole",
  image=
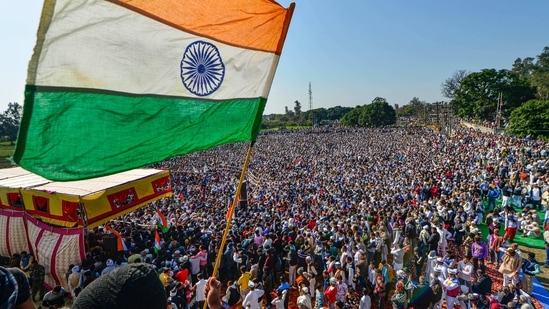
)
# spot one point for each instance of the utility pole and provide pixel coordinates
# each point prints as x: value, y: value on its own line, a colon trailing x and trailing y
x: 425, y: 114
x: 446, y: 119
x: 437, y: 107
x: 498, y: 110
x: 450, y: 120
x: 311, y: 105
x: 443, y: 120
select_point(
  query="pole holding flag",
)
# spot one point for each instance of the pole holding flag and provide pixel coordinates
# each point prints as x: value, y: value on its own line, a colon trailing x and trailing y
x: 231, y: 210
x: 230, y: 214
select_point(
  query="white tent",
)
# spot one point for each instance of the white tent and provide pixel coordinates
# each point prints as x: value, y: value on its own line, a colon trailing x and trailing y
x: 49, y: 218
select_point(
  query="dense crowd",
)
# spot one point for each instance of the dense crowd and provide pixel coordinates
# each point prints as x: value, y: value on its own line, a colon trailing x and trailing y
x: 346, y: 218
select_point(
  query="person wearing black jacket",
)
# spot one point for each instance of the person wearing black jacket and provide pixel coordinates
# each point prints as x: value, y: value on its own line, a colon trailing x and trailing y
x: 506, y: 193
x: 228, y: 269
x: 410, y: 231
x: 434, y: 239
x: 459, y: 231
x: 261, y: 258
x: 517, y: 195
x: 505, y: 296
x: 483, y: 284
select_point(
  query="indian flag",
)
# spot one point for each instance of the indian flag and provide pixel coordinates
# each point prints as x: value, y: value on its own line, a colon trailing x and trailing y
x: 162, y: 222
x: 120, y: 244
x: 157, y: 245
x: 115, y: 85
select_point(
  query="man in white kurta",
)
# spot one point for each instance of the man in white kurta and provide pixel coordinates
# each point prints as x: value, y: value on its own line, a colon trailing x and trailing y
x: 252, y: 298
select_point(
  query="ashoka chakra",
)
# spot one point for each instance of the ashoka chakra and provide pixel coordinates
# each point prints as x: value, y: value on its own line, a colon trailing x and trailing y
x: 202, y: 69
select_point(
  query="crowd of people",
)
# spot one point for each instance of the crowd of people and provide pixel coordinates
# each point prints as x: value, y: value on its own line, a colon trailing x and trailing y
x: 343, y: 218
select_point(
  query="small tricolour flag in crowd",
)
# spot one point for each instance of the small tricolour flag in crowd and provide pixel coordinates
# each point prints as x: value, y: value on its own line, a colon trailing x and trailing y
x: 157, y: 245
x: 120, y: 244
x: 162, y: 222
x: 230, y: 205
x: 120, y: 84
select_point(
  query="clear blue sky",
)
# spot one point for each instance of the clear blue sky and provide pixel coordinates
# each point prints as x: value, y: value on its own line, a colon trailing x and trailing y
x: 352, y: 50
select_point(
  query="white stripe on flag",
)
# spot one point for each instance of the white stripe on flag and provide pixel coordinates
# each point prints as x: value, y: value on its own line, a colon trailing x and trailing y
x: 152, y: 63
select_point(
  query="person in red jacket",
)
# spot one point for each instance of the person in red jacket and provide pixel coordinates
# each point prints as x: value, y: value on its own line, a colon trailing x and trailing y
x: 183, y: 274
x: 330, y: 293
x: 380, y: 289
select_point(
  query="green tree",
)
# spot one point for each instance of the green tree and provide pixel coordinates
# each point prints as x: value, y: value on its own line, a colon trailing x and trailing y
x: 351, y: 118
x: 419, y: 108
x: 10, y: 121
x: 531, y: 118
x: 414, y: 108
x: 405, y: 111
x: 478, y: 95
x: 540, y: 75
x: 318, y: 113
x: 335, y: 113
x: 297, y: 108
x: 314, y: 116
x: 452, y: 84
x: 290, y: 114
x: 378, y: 113
x: 282, y: 118
x: 524, y: 68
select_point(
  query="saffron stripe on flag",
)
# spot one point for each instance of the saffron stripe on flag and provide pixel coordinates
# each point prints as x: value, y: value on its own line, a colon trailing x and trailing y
x: 227, y: 21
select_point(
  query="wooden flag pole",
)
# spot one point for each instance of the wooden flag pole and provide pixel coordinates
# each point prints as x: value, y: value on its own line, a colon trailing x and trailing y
x: 230, y: 215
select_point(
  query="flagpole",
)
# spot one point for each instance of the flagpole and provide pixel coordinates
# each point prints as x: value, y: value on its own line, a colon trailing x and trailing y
x: 231, y: 211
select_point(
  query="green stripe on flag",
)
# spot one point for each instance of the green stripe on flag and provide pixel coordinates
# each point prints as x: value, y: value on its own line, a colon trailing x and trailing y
x: 162, y: 228
x: 107, y: 133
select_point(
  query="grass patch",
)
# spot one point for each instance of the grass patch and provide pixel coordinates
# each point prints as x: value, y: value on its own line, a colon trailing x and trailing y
x: 6, y: 149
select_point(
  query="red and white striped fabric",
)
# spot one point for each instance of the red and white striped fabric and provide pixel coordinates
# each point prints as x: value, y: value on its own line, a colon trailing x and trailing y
x: 56, y: 248
x: 12, y: 234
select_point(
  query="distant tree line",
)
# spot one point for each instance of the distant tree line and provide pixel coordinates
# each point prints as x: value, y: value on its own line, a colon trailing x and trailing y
x: 522, y: 93
x: 10, y: 120
x: 295, y: 117
x: 377, y: 114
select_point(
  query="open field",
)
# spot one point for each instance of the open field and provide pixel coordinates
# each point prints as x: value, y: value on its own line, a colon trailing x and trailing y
x: 6, y: 150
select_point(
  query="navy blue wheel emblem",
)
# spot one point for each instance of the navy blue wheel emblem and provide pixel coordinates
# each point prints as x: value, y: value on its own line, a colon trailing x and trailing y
x: 202, y: 69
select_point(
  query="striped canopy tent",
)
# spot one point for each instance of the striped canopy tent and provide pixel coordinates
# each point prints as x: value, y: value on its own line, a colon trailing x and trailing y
x: 49, y: 218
